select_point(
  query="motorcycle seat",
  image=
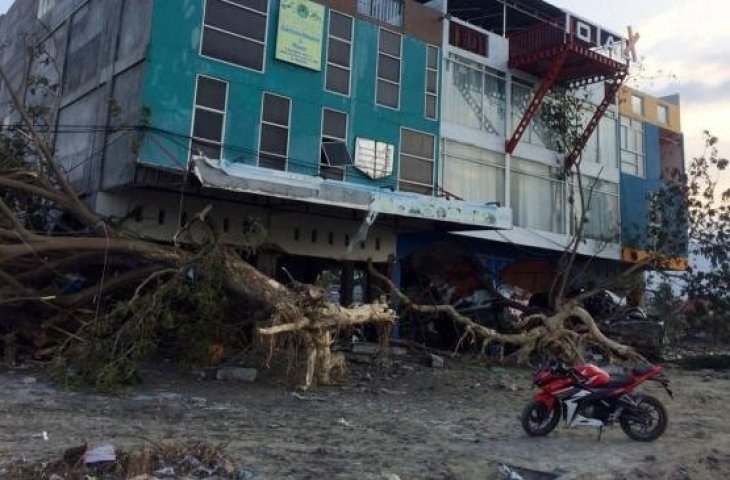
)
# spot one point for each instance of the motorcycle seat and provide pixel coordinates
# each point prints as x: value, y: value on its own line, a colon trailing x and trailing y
x: 617, y: 380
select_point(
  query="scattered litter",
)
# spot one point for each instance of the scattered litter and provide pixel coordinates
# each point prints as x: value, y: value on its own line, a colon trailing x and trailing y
x: 345, y: 423
x: 247, y: 474
x: 165, y: 472
x: 310, y: 398
x: 100, y: 454
x: 509, y: 474
x: 387, y: 391
x: 43, y: 435
x: 29, y: 380
x: 436, y: 361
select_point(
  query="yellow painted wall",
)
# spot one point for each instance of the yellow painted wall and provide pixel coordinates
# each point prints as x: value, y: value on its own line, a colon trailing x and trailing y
x: 651, y: 105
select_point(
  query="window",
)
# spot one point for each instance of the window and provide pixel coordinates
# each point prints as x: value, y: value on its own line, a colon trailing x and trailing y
x: 234, y: 31
x: 416, y: 162
x: 84, y: 45
x: 662, y: 114
x: 632, y: 146
x: 389, y: 55
x: 535, y: 133
x: 388, y: 11
x: 373, y: 158
x: 468, y: 39
x: 537, y: 199
x: 274, y: 139
x: 473, y: 174
x: 432, y: 78
x: 209, y: 118
x: 607, y: 145
x: 44, y: 6
x: 637, y: 104
x: 601, y: 199
x: 474, y: 95
x: 334, y: 131
x: 339, y: 53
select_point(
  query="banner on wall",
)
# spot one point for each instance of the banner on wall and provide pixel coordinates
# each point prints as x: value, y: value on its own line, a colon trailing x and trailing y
x: 299, y: 36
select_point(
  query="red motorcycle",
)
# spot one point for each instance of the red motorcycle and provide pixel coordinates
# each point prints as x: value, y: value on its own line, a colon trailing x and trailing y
x: 587, y: 395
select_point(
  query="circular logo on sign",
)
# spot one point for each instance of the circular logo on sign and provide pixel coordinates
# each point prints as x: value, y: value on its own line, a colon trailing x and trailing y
x: 302, y: 10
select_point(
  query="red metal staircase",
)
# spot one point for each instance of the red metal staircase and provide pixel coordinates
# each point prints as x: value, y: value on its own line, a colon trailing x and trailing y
x: 558, y: 58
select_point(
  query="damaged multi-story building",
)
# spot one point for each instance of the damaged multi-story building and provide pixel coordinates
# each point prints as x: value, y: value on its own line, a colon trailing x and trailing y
x: 351, y: 130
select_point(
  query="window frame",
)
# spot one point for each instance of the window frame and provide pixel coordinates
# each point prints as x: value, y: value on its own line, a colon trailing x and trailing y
x: 365, y: 7
x: 387, y: 145
x: 634, y: 98
x: 322, y: 136
x: 378, y: 78
x: 264, y: 44
x: 193, y: 138
x: 661, y: 108
x: 632, y: 151
x: 428, y: 94
x: 399, y: 178
x: 350, y: 42
x: 263, y: 122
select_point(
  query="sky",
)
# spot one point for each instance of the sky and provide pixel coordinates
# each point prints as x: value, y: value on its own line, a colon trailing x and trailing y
x: 685, y: 49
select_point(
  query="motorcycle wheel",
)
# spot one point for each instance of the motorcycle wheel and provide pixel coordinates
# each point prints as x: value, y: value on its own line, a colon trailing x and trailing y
x: 537, y: 420
x: 647, y: 421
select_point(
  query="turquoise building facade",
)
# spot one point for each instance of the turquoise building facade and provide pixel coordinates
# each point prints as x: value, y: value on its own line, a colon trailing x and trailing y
x: 174, y: 62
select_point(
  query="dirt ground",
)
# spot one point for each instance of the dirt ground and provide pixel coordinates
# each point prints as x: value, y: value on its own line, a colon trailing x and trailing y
x: 407, y: 421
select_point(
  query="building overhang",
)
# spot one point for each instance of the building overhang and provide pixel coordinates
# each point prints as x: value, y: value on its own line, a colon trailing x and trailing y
x: 421, y: 212
x: 524, y: 237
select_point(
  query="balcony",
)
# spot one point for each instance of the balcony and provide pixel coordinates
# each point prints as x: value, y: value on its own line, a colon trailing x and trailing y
x: 534, y: 49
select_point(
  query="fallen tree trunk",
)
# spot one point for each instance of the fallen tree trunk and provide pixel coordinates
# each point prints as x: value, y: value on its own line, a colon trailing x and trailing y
x: 555, y: 335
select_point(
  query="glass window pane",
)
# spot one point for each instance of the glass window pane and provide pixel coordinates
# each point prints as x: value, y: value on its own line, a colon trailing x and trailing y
x: 276, y: 109
x: 338, y: 80
x: 208, y: 125
x: 211, y: 93
x: 415, y: 188
x: 388, y: 68
x: 430, y: 106
x: 236, y: 20
x: 432, y: 61
x: 340, y: 25
x: 387, y: 94
x: 274, y: 139
x: 416, y: 169
x: 473, y: 174
x: 415, y: 143
x: 390, y: 43
x: 272, y: 161
x: 233, y: 49
x: 338, y: 52
x: 209, y: 150
x: 334, y: 124
x: 431, y: 76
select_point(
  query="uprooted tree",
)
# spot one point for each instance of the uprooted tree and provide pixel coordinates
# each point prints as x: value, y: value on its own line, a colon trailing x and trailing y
x: 140, y: 294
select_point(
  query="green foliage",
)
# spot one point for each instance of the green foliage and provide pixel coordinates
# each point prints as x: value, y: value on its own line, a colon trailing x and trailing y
x: 186, y: 314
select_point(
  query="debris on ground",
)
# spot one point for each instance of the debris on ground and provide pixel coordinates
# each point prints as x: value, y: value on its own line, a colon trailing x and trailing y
x: 436, y: 361
x: 196, y: 460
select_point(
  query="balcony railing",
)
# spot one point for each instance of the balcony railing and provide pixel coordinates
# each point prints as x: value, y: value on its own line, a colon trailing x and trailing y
x: 538, y: 38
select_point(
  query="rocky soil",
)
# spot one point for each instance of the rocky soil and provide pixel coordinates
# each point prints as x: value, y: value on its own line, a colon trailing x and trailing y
x: 407, y: 421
